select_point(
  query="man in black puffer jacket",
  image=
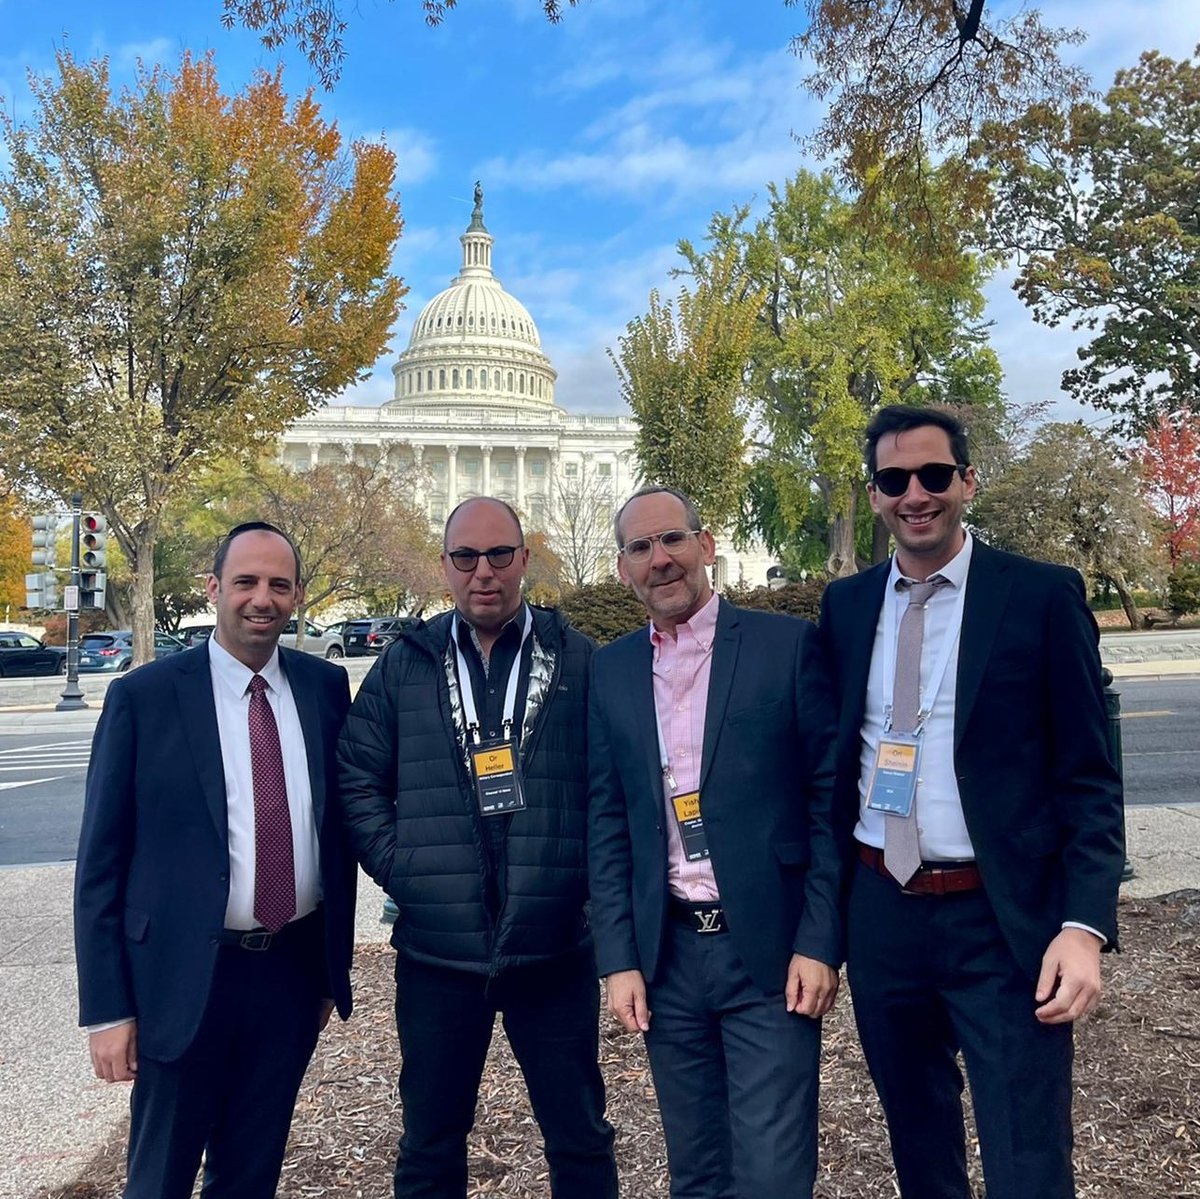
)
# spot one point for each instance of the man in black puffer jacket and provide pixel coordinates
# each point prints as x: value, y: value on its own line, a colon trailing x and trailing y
x: 467, y: 803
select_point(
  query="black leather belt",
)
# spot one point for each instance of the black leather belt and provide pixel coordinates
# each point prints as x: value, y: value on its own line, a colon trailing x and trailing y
x: 699, y: 917
x: 259, y: 939
x: 931, y: 879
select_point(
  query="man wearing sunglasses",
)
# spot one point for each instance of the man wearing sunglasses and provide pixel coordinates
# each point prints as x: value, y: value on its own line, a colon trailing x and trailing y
x: 713, y: 864
x: 989, y: 824
x: 463, y: 776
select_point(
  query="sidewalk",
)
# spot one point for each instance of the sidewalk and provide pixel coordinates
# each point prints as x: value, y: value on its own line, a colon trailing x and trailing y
x: 58, y: 1115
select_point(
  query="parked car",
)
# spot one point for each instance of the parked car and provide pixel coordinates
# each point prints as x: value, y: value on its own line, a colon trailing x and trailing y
x: 22, y: 654
x: 114, y: 651
x: 196, y: 633
x: 316, y: 641
x: 372, y: 635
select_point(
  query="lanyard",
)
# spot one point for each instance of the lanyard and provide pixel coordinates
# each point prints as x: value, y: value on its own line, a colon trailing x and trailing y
x: 891, y: 631
x: 662, y: 753
x: 467, y: 692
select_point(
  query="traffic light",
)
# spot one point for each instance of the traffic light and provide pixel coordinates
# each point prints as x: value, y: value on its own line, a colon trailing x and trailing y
x: 45, y: 539
x: 41, y: 590
x: 92, y: 540
x: 91, y: 589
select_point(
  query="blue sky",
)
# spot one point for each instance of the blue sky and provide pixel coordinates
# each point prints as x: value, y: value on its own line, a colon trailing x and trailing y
x: 600, y: 141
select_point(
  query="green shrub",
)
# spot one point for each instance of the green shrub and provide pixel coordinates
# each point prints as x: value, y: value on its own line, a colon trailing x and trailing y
x: 793, y: 599
x: 604, y: 611
x: 1183, y: 589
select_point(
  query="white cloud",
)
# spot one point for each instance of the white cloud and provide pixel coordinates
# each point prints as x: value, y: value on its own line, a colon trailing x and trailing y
x: 416, y: 154
x: 154, y: 50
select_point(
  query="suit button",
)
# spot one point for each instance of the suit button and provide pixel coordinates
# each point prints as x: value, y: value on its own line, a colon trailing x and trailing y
x: 223, y: 877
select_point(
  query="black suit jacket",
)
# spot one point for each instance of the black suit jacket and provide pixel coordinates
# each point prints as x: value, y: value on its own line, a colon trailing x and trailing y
x: 1042, y: 801
x: 766, y: 789
x: 152, y: 877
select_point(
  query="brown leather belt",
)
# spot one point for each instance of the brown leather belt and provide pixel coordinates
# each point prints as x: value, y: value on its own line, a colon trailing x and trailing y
x: 930, y: 879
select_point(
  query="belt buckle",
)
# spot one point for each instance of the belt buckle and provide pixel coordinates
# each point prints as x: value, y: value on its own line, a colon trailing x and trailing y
x: 708, y: 920
x: 256, y: 942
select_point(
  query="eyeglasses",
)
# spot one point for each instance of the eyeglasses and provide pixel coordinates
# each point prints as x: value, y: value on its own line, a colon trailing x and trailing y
x: 499, y: 556
x: 934, y: 477
x: 674, y: 541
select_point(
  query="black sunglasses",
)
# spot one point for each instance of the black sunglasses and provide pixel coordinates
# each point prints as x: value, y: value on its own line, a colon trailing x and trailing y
x: 934, y: 477
x: 499, y: 556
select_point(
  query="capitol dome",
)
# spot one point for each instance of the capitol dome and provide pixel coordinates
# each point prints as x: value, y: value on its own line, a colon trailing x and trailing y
x: 474, y: 343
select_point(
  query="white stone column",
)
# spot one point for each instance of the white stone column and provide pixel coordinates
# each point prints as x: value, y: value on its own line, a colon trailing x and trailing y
x: 520, y: 450
x: 420, y: 493
x: 487, y: 469
x: 552, y: 496
x: 314, y: 453
x: 451, y: 478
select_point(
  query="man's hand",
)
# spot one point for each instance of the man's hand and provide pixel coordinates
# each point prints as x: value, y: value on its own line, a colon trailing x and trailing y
x: 324, y: 1014
x: 626, y: 990
x: 812, y: 986
x: 114, y: 1052
x: 1069, y: 984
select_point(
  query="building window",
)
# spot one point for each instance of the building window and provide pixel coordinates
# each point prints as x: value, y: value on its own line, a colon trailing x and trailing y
x: 503, y: 469
x: 441, y: 380
x: 429, y: 380
x: 418, y: 380
x: 521, y: 383
x: 510, y: 380
x: 604, y: 470
x: 458, y: 322
x: 571, y: 470
x: 536, y: 468
x: 470, y: 378
x: 470, y: 466
x: 437, y: 510
x: 483, y: 379
x: 471, y: 319
x: 454, y: 379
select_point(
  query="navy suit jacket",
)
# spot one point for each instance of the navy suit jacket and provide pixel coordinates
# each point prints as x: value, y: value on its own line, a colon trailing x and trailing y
x: 766, y: 790
x: 152, y: 877
x: 1042, y: 801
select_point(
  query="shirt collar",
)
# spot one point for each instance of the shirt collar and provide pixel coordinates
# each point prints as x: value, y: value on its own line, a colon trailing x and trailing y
x: 954, y: 572
x: 468, y: 636
x: 236, y: 676
x: 702, y: 625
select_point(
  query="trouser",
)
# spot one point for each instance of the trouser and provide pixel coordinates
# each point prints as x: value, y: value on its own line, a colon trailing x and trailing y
x: 736, y: 1076
x: 931, y: 975
x: 445, y: 1017
x: 230, y: 1097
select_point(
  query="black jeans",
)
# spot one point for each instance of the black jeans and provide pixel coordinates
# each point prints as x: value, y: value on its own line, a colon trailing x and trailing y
x: 444, y: 1019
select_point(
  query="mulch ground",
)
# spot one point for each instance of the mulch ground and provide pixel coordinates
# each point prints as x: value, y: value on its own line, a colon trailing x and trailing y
x: 1137, y: 1101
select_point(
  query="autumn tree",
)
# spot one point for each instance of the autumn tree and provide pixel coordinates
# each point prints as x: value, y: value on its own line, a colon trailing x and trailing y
x: 15, y: 550
x: 1100, y: 209
x: 579, y: 526
x: 182, y: 274
x: 681, y: 369
x: 1170, y: 461
x: 1070, y: 497
x: 355, y: 524
x: 844, y: 322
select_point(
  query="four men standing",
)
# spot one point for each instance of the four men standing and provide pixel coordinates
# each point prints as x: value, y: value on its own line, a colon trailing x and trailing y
x: 489, y: 765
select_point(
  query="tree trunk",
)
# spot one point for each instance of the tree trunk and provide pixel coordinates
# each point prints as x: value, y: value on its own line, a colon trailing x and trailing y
x: 142, y: 566
x: 841, y: 562
x: 301, y: 609
x: 1123, y: 592
x: 880, y: 541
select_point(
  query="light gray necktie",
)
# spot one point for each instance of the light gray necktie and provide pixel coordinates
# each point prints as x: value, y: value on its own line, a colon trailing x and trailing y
x: 901, y: 850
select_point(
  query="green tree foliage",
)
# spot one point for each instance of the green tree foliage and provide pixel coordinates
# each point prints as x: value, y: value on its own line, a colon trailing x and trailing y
x: 1183, y: 589
x: 793, y: 599
x: 182, y: 273
x: 1069, y: 498
x: 681, y: 368
x: 1102, y: 207
x: 845, y: 321
x: 604, y: 611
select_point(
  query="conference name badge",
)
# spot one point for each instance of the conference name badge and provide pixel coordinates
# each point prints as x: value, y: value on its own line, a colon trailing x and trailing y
x: 894, y: 775
x: 495, y: 766
x: 691, y: 826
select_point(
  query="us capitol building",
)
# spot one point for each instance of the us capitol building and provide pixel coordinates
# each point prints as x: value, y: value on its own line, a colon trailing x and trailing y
x: 473, y: 413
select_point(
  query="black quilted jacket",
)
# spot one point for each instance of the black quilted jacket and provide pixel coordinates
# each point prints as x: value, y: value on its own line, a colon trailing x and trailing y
x: 413, y: 818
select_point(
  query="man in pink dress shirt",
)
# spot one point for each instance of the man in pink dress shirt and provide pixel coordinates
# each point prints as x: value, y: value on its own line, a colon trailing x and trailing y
x: 713, y: 860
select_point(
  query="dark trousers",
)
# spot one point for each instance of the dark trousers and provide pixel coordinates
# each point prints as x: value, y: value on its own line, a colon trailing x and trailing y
x: 931, y: 975
x: 444, y: 1019
x: 230, y: 1097
x: 736, y: 1076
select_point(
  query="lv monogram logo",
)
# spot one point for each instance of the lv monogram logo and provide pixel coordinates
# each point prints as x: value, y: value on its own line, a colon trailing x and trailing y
x: 709, y: 921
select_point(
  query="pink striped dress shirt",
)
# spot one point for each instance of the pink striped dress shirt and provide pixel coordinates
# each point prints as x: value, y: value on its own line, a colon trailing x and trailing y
x: 682, y: 666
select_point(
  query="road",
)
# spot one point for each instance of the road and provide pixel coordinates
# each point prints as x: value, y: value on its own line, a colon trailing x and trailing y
x: 41, y: 774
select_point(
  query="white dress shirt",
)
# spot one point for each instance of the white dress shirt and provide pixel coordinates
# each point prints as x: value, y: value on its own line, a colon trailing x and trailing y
x: 230, y: 684
x: 941, y: 829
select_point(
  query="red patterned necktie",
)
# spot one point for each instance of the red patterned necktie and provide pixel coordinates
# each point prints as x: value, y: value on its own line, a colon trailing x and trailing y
x: 274, y: 868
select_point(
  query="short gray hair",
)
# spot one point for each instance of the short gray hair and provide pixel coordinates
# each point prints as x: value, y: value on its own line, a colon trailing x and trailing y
x: 690, y: 510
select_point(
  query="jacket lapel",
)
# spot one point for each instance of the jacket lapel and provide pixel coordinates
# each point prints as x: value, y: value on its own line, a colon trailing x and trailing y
x: 988, y: 587
x: 856, y: 651
x: 198, y: 709
x: 309, y: 711
x: 725, y: 652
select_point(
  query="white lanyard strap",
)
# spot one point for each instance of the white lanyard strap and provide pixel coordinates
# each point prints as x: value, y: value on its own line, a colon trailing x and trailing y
x: 949, y: 650
x: 662, y: 752
x: 467, y: 692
